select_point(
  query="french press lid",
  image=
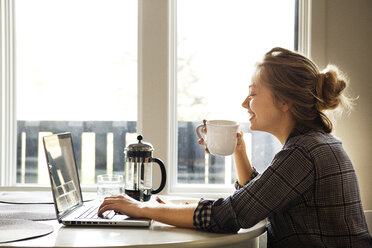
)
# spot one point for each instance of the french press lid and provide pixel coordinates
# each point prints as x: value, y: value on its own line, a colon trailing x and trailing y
x: 140, y: 149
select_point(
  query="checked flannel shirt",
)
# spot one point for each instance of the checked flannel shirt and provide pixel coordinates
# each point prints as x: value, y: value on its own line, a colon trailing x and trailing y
x: 309, y: 195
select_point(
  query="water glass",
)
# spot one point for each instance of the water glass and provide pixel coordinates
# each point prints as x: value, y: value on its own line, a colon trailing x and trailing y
x: 108, y: 185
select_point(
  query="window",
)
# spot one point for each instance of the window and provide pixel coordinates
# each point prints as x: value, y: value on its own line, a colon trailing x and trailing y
x: 218, y: 43
x: 76, y: 71
x: 109, y: 71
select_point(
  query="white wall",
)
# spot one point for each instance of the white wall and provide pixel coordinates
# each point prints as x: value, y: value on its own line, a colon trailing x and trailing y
x: 346, y: 35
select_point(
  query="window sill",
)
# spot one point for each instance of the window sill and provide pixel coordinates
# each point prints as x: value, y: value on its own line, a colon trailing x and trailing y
x: 184, y: 190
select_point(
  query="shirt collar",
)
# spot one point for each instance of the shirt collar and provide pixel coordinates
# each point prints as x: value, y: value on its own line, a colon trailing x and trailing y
x: 296, y: 131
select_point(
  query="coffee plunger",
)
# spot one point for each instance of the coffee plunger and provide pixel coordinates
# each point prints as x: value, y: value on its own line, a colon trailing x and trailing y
x: 138, y: 170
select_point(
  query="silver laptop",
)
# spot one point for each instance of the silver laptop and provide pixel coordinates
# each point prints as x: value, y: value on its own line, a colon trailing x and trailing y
x: 65, y: 184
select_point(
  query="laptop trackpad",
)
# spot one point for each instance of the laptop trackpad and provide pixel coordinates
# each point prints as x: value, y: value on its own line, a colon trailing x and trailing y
x: 143, y: 221
x: 121, y: 217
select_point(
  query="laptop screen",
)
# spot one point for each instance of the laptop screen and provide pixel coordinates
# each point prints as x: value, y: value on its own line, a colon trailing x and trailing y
x: 63, y: 172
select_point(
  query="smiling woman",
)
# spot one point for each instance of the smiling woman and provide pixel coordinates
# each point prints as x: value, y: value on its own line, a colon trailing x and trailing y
x: 309, y: 193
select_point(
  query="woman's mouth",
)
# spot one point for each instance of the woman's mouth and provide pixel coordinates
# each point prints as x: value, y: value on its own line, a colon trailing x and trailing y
x: 252, y: 115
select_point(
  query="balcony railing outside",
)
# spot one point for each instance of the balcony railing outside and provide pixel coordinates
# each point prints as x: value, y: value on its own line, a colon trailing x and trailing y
x: 99, y: 149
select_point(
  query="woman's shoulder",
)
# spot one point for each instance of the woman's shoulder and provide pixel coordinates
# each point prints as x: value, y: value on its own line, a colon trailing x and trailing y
x: 310, y: 139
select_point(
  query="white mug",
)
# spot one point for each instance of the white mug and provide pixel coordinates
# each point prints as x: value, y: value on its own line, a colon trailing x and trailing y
x: 221, y: 136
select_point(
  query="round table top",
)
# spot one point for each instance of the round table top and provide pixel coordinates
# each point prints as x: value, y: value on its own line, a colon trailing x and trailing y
x: 157, y: 235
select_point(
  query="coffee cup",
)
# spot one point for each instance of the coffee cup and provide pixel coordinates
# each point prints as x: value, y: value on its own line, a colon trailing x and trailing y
x: 221, y: 136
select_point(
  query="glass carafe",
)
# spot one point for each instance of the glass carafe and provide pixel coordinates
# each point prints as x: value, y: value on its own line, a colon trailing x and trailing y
x: 138, y: 170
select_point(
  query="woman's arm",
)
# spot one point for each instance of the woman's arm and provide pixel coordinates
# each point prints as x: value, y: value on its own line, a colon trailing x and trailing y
x: 177, y: 215
x: 243, y: 166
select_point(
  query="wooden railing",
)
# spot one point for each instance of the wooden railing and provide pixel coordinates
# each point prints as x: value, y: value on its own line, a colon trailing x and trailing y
x: 99, y: 149
x: 85, y: 134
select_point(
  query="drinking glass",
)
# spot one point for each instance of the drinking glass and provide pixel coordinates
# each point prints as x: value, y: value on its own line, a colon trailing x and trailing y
x: 108, y: 185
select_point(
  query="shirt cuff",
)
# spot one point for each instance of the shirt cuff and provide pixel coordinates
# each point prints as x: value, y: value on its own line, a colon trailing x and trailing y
x: 202, y: 214
x: 254, y: 174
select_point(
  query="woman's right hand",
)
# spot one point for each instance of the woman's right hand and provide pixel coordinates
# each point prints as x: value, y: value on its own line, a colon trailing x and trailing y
x: 122, y: 204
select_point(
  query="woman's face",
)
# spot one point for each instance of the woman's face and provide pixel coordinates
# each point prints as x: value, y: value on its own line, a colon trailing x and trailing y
x: 264, y: 113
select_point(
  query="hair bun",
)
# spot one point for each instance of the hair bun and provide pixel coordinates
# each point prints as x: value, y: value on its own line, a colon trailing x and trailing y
x: 329, y: 89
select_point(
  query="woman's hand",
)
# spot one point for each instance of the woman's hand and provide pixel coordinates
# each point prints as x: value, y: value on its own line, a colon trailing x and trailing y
x: 243, y: 166
x: 172, y: 214
x: 242, y: 163
x: 240, y: 144
x: 122, y: 204
x: 201, y: 141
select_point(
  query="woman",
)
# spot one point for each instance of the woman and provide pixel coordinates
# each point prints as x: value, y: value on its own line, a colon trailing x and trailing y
x: 309, y: 193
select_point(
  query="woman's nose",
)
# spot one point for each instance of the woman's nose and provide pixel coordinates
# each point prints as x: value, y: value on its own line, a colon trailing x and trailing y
x: 245, y: 104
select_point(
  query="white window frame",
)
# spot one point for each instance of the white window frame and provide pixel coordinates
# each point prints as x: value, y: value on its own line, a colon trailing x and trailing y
x: 7, y: 92
x: 157, y: 117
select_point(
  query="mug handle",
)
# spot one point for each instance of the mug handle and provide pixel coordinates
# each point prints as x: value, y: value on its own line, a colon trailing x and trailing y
x: 198, y: 131
x: 163, y: 175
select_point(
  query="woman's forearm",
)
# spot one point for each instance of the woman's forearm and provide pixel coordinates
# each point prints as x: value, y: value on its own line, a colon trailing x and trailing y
x: 243, y: 166
x: 176, y: 215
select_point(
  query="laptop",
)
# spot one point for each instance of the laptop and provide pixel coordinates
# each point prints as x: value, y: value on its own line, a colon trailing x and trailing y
x: 64, y: 179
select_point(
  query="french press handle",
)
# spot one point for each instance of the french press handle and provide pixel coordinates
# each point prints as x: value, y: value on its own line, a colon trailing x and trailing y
x: 163, y: 175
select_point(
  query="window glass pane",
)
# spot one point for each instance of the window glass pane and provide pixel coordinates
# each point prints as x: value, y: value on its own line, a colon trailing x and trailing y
x: 218, y: 43
x: 76, y: 71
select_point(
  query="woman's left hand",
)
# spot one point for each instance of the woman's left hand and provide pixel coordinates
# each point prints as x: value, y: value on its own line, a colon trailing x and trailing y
x: 122, y: 204
x: 204, y: 131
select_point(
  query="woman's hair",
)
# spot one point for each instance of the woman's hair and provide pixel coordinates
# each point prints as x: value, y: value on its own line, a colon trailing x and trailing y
x: 295, y: 79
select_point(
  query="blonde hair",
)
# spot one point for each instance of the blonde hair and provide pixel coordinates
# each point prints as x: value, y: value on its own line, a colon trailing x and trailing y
x: 295, y: 79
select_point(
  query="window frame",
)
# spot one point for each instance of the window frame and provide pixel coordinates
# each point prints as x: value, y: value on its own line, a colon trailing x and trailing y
x: 157, y: 113
x: 7, y: 91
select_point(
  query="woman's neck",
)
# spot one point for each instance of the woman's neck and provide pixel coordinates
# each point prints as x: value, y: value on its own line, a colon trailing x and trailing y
x: 285, y: 129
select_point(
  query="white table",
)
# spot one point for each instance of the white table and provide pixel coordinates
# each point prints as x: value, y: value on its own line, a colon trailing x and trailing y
x: 158, y: 235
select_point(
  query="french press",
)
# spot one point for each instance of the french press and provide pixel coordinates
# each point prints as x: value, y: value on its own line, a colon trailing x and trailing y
x: 138, y: 170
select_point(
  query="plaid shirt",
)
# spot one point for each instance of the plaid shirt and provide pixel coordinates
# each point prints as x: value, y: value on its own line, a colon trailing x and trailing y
x: 309, y: 194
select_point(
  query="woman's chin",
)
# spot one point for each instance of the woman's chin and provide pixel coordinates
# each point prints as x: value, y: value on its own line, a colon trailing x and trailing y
x: 253, y: 128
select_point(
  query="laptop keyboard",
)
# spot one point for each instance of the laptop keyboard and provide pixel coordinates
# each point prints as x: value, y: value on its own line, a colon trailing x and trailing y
x: 91, y: 213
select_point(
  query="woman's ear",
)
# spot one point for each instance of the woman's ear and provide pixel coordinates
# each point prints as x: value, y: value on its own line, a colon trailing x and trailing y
x: 284, y: 106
